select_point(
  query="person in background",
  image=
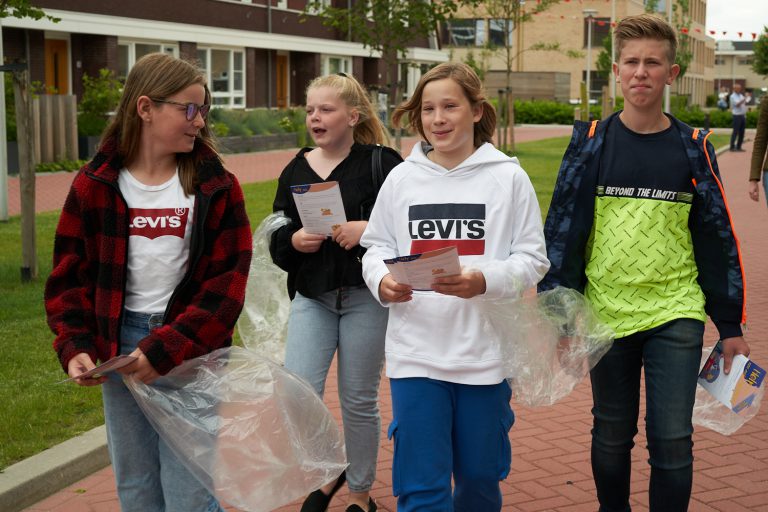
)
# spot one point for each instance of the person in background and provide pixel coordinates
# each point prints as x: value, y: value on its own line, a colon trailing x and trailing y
x: 332, y: 312
x: 151, y: 258
x: 739, y: 111
x: 759, y: 165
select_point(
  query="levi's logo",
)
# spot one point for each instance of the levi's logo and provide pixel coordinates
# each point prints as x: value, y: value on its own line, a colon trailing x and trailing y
x: 433, y: 226
x: 154, y: 222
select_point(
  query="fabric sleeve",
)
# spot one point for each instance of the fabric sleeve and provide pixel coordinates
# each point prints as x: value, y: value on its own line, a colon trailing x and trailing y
x: 284, y: 255
x: 379, y: 240
x: 69, y: 289
x: 204, y: 321
x: 761, y: 143
x: 527, y: 262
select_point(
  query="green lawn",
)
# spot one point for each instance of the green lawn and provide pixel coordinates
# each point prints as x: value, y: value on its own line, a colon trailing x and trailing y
x: 39, y: 413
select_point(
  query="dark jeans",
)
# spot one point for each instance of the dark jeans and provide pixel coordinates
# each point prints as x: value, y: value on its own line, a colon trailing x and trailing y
x: 737, y: 136
x: 671, y: 354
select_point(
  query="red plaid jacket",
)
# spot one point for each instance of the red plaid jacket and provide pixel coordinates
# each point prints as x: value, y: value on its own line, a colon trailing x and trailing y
x: 85, y: 292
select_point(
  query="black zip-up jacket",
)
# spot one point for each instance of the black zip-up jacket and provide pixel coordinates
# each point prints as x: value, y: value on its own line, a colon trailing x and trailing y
x: 715, y: 246
x: 332, y: 267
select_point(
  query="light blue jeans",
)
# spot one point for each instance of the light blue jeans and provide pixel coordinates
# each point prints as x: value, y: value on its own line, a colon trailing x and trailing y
x: 316, y: 330
x: 149, y: 476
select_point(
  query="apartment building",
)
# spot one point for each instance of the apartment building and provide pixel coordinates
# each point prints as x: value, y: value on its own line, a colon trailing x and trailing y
x: 567, y: 24
x: 257, y: 53
x: 733, y: 64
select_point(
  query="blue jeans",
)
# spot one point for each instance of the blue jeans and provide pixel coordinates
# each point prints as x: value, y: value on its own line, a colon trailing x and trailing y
x: 671, y: 354
x: 317, y: 330
x: 149, y: 476
x: 443, y: 430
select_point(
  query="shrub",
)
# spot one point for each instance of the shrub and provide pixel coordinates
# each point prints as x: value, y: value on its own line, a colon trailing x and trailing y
x: 60, y: 165
x: 101, y: 95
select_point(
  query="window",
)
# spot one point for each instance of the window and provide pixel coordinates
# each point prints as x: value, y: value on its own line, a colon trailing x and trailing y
x: 601, y: 28
x: 745, y: 61
x: 465, y: 32
x: 225, y: 70
x: 128, y: 52
x: 719, y: 61
x: 334, y: 64
x: 497, y: 29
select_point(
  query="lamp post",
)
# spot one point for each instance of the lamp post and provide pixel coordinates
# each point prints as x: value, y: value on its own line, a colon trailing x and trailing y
x: 589, y: 13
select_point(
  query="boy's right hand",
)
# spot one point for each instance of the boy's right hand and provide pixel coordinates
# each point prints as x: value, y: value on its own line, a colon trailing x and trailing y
x: 81, y: 363
x: 392, y: 291
x: 306, y: 242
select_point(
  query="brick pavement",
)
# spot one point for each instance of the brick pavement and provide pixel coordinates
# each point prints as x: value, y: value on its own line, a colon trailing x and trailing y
x: 550, y: 468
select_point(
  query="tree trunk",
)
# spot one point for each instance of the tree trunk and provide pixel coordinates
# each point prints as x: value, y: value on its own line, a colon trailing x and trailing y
x: 26, y: 175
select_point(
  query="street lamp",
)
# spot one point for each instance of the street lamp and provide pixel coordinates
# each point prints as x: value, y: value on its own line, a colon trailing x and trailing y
x: 589, y: 14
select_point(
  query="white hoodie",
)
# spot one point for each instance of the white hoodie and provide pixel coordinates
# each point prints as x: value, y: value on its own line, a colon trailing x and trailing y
x: 486, y: 207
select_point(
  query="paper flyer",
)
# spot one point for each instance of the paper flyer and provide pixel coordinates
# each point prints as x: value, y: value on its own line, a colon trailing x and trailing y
x: 419, y: 270
x: 320, y: 207
x: 113, y: 364
x: 739, y: 388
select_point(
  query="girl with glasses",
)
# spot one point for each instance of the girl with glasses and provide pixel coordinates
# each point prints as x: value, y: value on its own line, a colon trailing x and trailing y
x: 151, y: 258
x: 332, y: 312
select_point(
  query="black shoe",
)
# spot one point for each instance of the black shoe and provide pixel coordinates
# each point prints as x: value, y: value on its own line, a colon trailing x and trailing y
x: 739, y: 149
x: 318, y: 501
x: 356, y: 508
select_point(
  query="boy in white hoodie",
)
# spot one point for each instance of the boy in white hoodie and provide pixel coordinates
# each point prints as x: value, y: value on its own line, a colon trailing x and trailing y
x: 449, y: 394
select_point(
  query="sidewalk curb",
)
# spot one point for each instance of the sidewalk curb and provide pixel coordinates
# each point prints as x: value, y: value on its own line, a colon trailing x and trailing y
x: 33, y: 479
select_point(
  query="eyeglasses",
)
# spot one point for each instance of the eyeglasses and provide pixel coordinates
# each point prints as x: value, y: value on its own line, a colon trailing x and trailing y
x: 192, y: 108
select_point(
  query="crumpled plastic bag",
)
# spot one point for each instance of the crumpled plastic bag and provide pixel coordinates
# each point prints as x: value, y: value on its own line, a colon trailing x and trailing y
x: 254, y: 434
x: 711, y: 413
x: 264, y: 321
x: 549, y: 342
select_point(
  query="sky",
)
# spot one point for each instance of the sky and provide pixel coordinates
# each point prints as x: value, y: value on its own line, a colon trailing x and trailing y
x: 734, y: 16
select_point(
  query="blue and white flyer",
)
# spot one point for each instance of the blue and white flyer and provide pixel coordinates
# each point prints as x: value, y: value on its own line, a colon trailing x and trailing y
x: 741, y: 388
x: 419, y: 270
x: 320, y: 207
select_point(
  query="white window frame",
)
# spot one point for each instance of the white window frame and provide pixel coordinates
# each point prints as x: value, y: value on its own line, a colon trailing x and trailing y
x: 231, y: 94
x: 344, y: 61
x: 165, y: 47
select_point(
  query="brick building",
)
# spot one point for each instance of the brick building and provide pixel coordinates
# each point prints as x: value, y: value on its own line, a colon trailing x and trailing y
x: 257, y: 53
x: 566, y: 24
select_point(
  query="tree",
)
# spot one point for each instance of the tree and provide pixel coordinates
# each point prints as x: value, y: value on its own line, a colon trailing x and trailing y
x: 760, y: 64
x: 23, y: 9
x: 509, y: 14
x: 603, y: 64
x: 385, y: 26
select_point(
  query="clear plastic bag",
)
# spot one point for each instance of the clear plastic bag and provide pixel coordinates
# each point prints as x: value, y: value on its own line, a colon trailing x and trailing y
x: 263, y: 323
x: 254, y: 434
x: 711, y: 413
x: 549, y: 342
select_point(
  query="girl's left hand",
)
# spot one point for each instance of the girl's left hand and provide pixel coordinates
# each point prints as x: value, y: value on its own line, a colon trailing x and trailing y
x: 348, y: 234
x: 141, y: 369
x: 465, y: 285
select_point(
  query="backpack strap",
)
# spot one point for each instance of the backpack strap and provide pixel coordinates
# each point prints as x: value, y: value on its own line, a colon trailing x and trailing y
x: 377, y: 168
x: 592, y: 128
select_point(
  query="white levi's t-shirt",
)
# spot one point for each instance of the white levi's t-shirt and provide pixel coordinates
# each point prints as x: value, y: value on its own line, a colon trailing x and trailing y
x: 160, y: 231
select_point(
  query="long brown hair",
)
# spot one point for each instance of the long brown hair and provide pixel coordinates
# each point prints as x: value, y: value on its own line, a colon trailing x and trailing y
x: 369, y: 128
x: 159, y: 76
x: 473, y: 90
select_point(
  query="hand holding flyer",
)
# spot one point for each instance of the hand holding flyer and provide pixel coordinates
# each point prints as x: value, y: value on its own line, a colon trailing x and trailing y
x: 320, y: 207
x: 419, y: 270
x: 113, y: 364
x: 738, y: 389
